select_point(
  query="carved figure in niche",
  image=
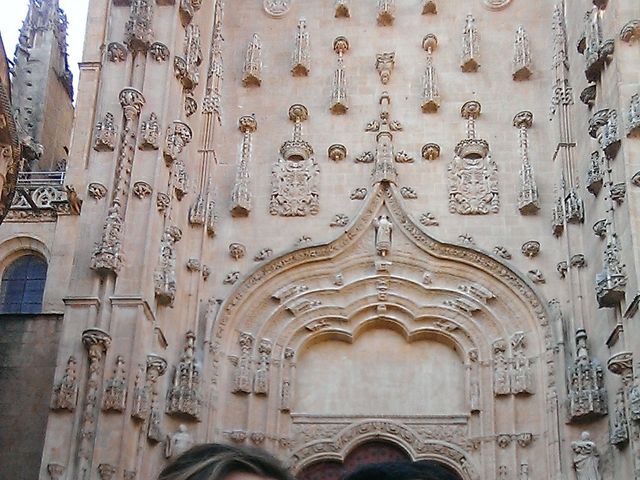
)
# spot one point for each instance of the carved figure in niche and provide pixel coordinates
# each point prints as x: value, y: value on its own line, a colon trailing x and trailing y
x: 501, y: 377
x: 138, y: 29
x: 242, y: 380
x: 522, y: 373
x: 150, y: 133
x: 286, y: 394
x: 633, y: 120
x: 114, y: 397
x: 634, y: 399
x: 619, y: 433
x: 294, y: 181
x: 178, y: 443
x: 384, y: 230
x: 261, y: 378
x: 473, y: 174
x: 585, y: 458
x: 384, y: 65
x: 107, y: 257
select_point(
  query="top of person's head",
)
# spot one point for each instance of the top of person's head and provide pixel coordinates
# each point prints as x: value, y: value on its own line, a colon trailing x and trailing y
x: 215, y: 461
x: 423, y: 470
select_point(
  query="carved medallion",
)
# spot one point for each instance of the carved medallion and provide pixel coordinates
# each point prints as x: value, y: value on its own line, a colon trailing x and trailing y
x: 277, y: 8
x: 496, y: 4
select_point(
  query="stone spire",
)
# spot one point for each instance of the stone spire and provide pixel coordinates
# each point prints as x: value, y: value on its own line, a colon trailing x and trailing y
x: 43, y: 81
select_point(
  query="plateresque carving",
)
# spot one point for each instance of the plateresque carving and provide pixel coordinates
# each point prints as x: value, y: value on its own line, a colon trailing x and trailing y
x: 301, y: 60
x: 252, y: 69
x: 587, y: 395
x: 241, y: 193
x: 183, y: 397
x: 164, y: 277
x: 386, y: 12
x: 65, y: 393
x: 339, y: 103
x: 528, y: 194
x: 473, y: 182
x: 470, y: 46
x: 294, y: 180
x: 277, y: 8
x: 384, y: 65
x: 430, y: 92
x: 521, y: 55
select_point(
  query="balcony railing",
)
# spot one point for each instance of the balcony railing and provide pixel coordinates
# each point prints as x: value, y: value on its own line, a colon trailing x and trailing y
x: 39, y: 179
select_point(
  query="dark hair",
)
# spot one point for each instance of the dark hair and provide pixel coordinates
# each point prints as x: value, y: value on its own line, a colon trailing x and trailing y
x: 214, y: 461
x: 423, y: 470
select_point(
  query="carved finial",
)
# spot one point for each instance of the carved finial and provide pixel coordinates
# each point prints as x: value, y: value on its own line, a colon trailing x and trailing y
x: 241, y: 193
x: 470, y: 46
x: 339, y: 104
x: 430, y: 93
x: 301, y: 64
x: 252, y: 69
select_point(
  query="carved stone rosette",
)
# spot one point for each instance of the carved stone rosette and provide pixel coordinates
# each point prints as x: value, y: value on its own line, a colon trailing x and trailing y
x: 301, y: 59
x: 339, y: 103
x: 294, y: 180
x: 183, y: 398
x: 430, y: 92
x: 252, y: 68
x: 241, y: 193
x: 164, y: 277
x: 97, y: 342
x: 528, y: 195
x: 473, y: 180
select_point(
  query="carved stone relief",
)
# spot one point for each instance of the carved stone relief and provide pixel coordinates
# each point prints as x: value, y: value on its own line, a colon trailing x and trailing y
x: 294, y: 181
x: 429, y: 7
x: 138, y: 29
x: 187, y: 68
x: 150, y: 133
x: 252, y: 69
x: 164, y: 277
x: 114, y: 397
x: 384, y: 65
x: 473, y: 182
x: 612, y: 280
x: 618, y: 430
x: 159, y: 52
x: 337, y: 152
x: 587, y: 395
x: 521, y: 55
x: 597, y: 52
x: 633, y: 116
x: 116, y: 52
x: 179, y: 135
x: 630, y: 32
x: 528, y: 195
x: 277, y: 8
x: 241, y: 193
x: 430, y: 91
x: 65, y: 393
x: 263, y: 362
x: 243, y: 375
x: 603, y: 126
x: 470, y: 46
x: 178, y: 443
x: 301, y: 60
x: 586, y: 462
x: 183, y: 397
x: 339, y: 103
x: 105, y: 134
x: 595, y: 174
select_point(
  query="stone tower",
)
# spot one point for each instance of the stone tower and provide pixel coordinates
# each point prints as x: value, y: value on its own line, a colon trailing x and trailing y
x: 346, y: 230
x: 43, y: 86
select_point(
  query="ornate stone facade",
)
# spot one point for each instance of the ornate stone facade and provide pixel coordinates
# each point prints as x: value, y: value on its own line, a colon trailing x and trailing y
x: 392, y: 290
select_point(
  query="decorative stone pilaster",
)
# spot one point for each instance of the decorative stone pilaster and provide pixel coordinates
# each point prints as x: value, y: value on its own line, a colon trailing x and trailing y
x: 521, y: 55
x: 97, y: 342
x: 339, y: 104
x: 430, y: 92
x: 528, y: 195
x: 164, y: 277
x: 241, y: 193
x: 183, y: 398
x: 252, y: 69
x: 301, y: 60
x: 470, y: 46
x: 587, y: 395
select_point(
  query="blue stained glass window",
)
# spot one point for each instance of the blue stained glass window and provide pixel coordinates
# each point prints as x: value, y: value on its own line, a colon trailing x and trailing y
x: 23, y: 285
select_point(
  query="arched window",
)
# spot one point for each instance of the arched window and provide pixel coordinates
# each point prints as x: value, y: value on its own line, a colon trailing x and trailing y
x: 23, y: 285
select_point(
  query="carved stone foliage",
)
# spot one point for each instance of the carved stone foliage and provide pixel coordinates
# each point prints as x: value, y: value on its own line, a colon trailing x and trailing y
x: 340, y: 220
x: 179, y: 135
x: 65, y: 393
x: 342, y: 8
x: 187, y: 68
x: 612, y: 280
x: 386, y: 12
x: 237, y: 251
x: 430, y: 91
x: 183, y: 397
x: 603, y: 126
x: 587, y: 395
x: 521, y: 55
x: 277, y: 8
x: 164, y: 277
x: 384, y: 65
x: 97, y: 343
x: 116, y: 52
x: 241, y: 193
x: 301, y: 59
x: 429, y: 220
x: 531, y: 248
x: 473, y: 181
x: 630, y: 32
x: 295, y: 175
x: 252, y: 68
x: 358, y: 194
x: 586, y: 462
x: 528, y: 194
x: 597, y: 53
x: 150, y: 133
x: 104, y: 139
x: 138, y: 29
x: 114, y: 397
x: 263, y: 362
x: 243, y: 374
x: 263, y: 255
x: 339, y: 102
x: 470, y: 46
x: 633, y: 116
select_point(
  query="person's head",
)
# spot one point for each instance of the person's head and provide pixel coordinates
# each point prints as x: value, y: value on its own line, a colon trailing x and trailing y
x: 215, y: 461
x: 423, y: 470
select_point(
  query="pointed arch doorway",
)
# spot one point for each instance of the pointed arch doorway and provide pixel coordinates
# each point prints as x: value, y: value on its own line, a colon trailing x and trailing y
x: 366, y: 454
